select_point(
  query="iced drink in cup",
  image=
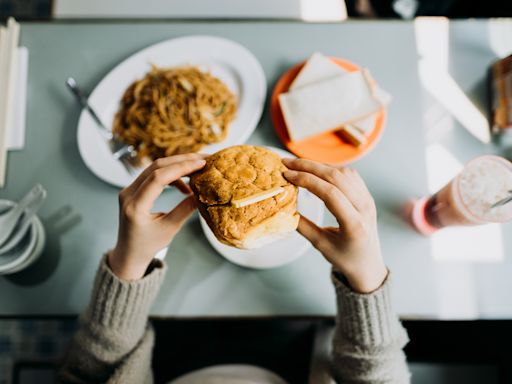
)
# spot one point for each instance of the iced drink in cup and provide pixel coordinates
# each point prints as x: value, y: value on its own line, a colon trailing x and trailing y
x: 468, y: 199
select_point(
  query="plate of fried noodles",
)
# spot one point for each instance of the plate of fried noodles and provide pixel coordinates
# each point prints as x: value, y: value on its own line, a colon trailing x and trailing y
x: 189, y: 94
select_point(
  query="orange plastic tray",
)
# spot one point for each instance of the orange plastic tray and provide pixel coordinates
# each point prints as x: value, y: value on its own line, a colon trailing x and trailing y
x: 327, y: 147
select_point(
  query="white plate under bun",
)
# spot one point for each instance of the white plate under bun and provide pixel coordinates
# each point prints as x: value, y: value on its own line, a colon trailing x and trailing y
x: 236, y: 66
x: 280, y: 252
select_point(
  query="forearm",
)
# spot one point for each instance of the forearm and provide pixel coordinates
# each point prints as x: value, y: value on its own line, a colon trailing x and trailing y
x: 113, y: 328
x: 368, y: 340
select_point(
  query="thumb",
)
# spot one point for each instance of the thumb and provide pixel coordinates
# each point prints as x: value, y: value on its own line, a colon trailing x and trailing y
x: 179, y: 215
x: 312, y: 232
x: 182, y: 187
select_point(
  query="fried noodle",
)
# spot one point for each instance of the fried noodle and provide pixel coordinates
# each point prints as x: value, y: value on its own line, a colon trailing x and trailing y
x: 174, y: 110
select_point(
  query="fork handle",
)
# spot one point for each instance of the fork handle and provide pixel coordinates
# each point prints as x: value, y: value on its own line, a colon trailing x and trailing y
x: 82, y: 99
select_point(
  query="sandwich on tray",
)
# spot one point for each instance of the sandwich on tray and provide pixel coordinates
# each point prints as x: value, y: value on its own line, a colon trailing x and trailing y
x: 324, y: 97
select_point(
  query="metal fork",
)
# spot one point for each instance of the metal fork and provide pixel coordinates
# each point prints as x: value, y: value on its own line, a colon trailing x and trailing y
x: 125, y: 153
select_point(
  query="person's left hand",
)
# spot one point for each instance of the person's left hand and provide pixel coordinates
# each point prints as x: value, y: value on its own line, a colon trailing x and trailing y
x: 143, y: 233
x: 352, y: 247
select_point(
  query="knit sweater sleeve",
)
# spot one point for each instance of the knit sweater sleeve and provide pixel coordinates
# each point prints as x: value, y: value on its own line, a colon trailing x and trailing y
x: 114, y: 341
x: 368, y: 338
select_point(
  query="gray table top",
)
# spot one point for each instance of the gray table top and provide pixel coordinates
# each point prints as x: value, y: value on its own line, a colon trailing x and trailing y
x: 80, y: 215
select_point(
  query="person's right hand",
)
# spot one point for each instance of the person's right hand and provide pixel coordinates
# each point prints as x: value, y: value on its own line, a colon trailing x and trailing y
x: 143, y: 233
x: 353, y: 248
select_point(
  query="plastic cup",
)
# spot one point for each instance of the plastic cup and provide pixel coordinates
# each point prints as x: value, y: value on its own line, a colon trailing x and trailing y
x: 468, y: 198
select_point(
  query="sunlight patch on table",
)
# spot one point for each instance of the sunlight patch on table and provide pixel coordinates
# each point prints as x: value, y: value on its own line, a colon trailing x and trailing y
x: 432, y: 40
x: 481, y: 243
x: 442, y: 166
x: 456, y: 295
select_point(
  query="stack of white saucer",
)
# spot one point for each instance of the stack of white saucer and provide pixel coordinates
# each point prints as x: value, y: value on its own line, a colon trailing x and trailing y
x: 28, y: 250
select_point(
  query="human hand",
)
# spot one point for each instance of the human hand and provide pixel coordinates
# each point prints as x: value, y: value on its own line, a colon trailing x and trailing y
x: 353, y: 248
x: 143, y: 233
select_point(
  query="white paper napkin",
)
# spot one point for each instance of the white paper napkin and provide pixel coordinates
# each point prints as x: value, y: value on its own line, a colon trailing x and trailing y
x: 16, y: 127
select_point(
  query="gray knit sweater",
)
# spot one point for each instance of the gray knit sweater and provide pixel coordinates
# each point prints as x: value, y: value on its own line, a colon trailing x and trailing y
x: 115, y: 341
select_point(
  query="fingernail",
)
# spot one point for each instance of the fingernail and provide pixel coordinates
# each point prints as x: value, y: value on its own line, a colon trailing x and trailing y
x: 287, y: 159
x: 288, y: 174
x: 200, y: 162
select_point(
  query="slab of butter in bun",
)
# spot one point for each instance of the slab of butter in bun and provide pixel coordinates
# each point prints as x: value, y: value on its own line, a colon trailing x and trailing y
x: 244, y: 197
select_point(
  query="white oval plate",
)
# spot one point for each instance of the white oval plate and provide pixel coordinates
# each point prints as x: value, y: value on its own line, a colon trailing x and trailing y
x: 280, y: 252
x: 236, y: 66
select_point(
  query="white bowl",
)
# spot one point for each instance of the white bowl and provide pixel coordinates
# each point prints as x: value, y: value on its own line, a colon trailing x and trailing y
x: 29, y: 248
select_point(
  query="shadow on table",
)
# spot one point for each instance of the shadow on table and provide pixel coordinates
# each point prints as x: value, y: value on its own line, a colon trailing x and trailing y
x: 289, y: 288
x: 56, y: 225
x: 265, y: 125
x: 395, y: 212
x: 188, y: 266
x: 69, y: 143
